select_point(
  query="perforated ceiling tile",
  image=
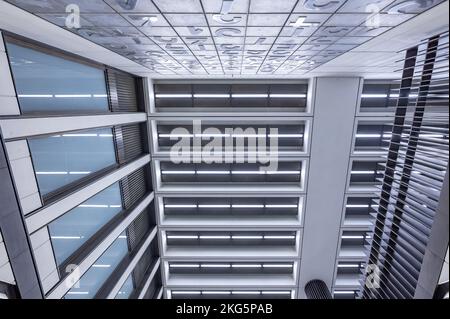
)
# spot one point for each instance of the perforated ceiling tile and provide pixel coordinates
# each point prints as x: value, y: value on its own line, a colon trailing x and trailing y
x: 132, y: 6
x: 270, y: 6
x: 230, y: 36
x: 180, y: 6
x: 318, y: 6
x: 364, y: 6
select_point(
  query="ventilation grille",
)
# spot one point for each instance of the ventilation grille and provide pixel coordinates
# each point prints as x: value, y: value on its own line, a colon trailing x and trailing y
x: 416, y: 165
x: 138, y: 229
x: 123, y: 93
x: 129, y: 142
x: 133, y: 187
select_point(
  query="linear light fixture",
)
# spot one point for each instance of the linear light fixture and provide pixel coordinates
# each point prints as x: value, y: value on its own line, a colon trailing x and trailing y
x: 173, y: 96
x: 181, y: 206
x: 250, y: 95
x: 287, y: 96
x: 237, y: 292
x: 363, y: 172
x: 213, y: 172
x: 247, y: 237
x: 66, y: 237
x: 278, y: 265
x: 247, y: 206
x: 78, y: 292
x: 211, y: 96
x: 343, y: 292
x: 52, y: 173
x: 209, y: 292
x: 215, y: 206
x: 246, y: 265
x: 349, y: 266
x: 184, y: 265
x: 280, y: 206
x: 356, y: 206
x: 214, y: 236
x: 373, y: 96
x: 279, y: 236
x: 182, y: 237
x: 179, y: 292
x: 215, y: 265
x: 275, y: 292
x: 178, y: 172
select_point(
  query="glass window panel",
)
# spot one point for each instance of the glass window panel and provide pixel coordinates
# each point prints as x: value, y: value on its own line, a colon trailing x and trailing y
x: 62, y: 159
x: 70, y: 231
x: 127, y: 289
x: 90, y: 283
x: 50, y: 84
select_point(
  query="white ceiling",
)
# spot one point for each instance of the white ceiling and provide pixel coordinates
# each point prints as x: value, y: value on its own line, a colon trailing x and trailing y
x: 252, y: 38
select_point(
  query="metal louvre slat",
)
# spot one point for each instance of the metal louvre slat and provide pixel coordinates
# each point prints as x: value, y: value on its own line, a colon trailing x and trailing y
x: 414, y: 171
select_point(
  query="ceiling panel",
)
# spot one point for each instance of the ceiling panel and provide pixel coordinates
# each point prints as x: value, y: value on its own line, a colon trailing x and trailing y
x: 240, y: 37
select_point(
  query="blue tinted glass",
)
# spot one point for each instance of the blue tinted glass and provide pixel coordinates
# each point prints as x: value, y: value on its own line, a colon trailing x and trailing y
x: 75, y: 227
x: 46, y: 83
x: 126, y: 290
x: 62, y: 159
x: 95, y: 277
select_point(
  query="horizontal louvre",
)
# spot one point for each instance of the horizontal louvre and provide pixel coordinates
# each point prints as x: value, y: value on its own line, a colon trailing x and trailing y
x: 417, y: 161
x: 123, y: 92
x: 134, y: 187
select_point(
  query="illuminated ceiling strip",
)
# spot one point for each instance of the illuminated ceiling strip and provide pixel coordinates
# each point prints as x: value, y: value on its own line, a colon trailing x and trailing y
x: 178, y: 172
x: 182, y: 237
x: 247, y: 206
x: 52, y: 173
x: 278, y: 265
x: 246, y: 265
x: 66, y: 237
x: 172, y: 96
x: 215, y: 206
x: 213, y: 172
x: 246, y: 237
x: 215, y: 237
x: 249, y: 95
x: 215, y: 265
x: 180, y: 206
x: 184, y: 266
x: 279, y: 236
x: 211, y: 95
x: 179, y: 292
x: 363, y: 172
x: 272, y: 95
x: 206, y: 292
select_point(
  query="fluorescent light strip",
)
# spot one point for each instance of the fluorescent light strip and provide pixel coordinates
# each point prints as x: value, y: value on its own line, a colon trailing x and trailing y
x: 216, y: 292
x: 373, y: 96
x: 247, y: 206
x: 185, y: 292
x: 363, y: 172
x: 286, y: 135
x: 278, y: 265
x: 289, y: 96
x: 73, y: 95
x: 281, y: 206
x: 213, y: 135
x: 356, y: 206
x: 173, y: 96
x: 352, y: 237
x: 182, y: 237
x: 214, y: 206
x: 35, y: 95
x: 66, y: 237
x: 211, y: 95
x: 246, y: 237
x: 349, y: 266
x: 279, y: 237
x: 246, y: 266
x: 178, y: 172
x: 180, y: 206
x: 244, y: 96
x: 52, y: 173
x: 213, y: 172
x: 101, y: 266
x: 215, y: 265
x: 283, y: 172
x: 184, y: 266
x: 80, y: 135
x: 246, y: 292
x: 275, y: 292
x: 78, y: 292
x: 215, y: 237
x: 248, y: 172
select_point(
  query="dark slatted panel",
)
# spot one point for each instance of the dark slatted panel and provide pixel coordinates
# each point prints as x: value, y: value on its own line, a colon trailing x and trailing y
x: 123, y: 91
x: 133, y: 187
x: 154, y: 287
x: 138, y: 229
x: 414, y: 174
x: 129, y: 142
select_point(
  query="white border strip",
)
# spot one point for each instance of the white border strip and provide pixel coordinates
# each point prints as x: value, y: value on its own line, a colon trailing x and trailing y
x: 14, y: 128
x: 47, y: 214
x: 61, y: 289
x: 115, y: 290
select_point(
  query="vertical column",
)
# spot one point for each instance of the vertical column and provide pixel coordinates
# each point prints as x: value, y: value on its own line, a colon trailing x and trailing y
x: 335, y: 106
